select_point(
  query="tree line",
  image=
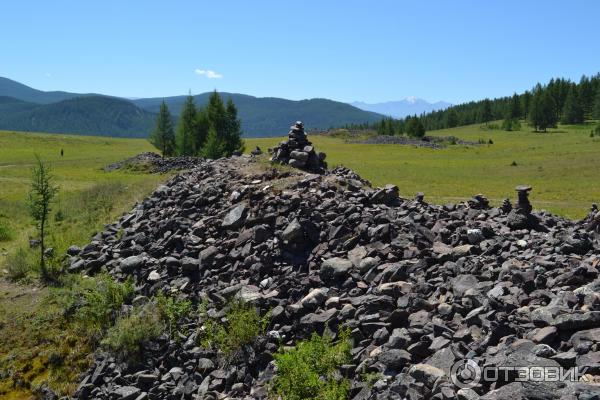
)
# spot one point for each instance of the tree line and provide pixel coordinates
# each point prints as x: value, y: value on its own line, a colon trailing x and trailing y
x: 560, y: 100
x: 212, y: 131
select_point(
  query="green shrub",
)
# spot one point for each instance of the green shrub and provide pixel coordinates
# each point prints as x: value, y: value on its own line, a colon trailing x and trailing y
x: 6, y: 232
x: 94, y: 203
x: 93, y: 303
x: 172, y: 310
x: 511, y: 125
x: 491, y: 126
x: 19, y: 264
x: 130, y: 331
x: 242, y: 325
x: 370, y: 378
x: 310, y: 370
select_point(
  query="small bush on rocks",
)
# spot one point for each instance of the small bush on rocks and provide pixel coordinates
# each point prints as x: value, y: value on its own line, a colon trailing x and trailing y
x: 130, y: 331
x: 172, y: 310
x: 310, y: 370
x: 94, y: 303
x: 241, y: 326
x: 18, y: 265
x: 6, y: 233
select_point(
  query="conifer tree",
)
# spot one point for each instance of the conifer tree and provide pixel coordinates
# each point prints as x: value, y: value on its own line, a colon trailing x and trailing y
x: 39, y: 201
x: 414, y: 127
x: 186, y: 127
x: 525, y: 102
x: 573, y: 110
x: 202, y: 125
x: 535, y: 114
x: 233, y: 137
x: 486, y: 111
x: 163, y: 135
x: 514, y: 109
x: 596, y: 111
x: 451, y: 118
x: 217, y: 115
x: 542, y: 113
x: 213, y: 147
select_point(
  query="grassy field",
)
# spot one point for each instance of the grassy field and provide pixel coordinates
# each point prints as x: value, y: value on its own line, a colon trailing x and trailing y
x: 87, y: 193
x: 37, y: 344
x: 562, y: 165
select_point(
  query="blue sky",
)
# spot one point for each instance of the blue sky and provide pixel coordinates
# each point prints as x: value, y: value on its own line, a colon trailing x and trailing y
x: 345, y: 50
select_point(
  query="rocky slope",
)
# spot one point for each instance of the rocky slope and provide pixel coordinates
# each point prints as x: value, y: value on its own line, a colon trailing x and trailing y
x: 421, y: 286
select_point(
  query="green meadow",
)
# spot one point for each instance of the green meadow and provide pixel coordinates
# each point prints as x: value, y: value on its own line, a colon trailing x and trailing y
x: 562, y: 165
x: 87, y: 196
x: 53, y: 351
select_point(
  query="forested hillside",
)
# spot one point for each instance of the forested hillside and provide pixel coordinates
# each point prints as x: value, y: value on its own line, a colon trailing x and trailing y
x: 559, y: 100
x: 92, y: 115
x: 27, y: 109
x: 271, y: 116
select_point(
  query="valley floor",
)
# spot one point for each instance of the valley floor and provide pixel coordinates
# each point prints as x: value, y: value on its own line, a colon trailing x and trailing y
x: 562, y: 165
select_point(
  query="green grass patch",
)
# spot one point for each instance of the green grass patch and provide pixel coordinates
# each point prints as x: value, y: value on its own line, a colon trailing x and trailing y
x: 241, y: 326
x: 562, y: 165
x: 132, y: 330
x: 310, y: 370
x: 92, y: 303
x: 172, y: 310
x: 47, y: 336
x: 6, y: 232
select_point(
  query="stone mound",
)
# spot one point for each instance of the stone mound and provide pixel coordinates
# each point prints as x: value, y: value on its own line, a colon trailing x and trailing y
x: 423, y: 288
x: 154, y: 163
x: 298, y: 152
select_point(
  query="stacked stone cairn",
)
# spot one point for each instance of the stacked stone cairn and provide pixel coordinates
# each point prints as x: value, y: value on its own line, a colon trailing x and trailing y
x: 520, y: 217
x: 298, y: 152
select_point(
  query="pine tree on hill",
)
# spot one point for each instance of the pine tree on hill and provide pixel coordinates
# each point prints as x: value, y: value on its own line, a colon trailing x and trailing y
x: 163, y: 136
x: 186, y: 127
x: 486, y: 111
x: 233, y: 138
x: 542, y: 113
x: 596, y: 110
x: 217, y: 114
x: 514, y: 109
x: 573, y: 110
x: 414, y: 127
x: 525, y: 101
x: 586, y: 95
x: 202, y: 125
x: 451, y: 119
x: 213, y: 148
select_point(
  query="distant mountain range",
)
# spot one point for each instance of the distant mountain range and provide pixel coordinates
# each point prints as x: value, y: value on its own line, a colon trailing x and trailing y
x: 402, y: 108
x: 26, y: 109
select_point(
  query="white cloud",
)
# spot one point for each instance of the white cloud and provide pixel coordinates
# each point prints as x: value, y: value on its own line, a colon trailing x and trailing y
x: 208, y: 73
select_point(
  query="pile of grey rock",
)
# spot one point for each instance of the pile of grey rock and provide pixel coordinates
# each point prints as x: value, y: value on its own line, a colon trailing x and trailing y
x: 421, y: 287
x: 155, y: 164
x: 298, y: 152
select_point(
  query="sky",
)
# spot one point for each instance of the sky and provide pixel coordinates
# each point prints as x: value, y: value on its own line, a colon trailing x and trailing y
x: 348, y: 50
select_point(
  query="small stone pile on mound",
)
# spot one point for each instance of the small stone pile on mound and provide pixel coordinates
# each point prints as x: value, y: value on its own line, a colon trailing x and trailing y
x: 298, y: 152
x: 427, y: 291
x: 155, y: 164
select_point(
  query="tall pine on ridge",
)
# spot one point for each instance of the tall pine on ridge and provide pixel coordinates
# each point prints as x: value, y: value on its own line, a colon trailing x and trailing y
x: 163, y: 136
x: 573, y: 111
x: 233, y: 141
x: 186, y: 128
